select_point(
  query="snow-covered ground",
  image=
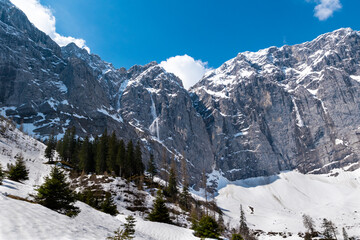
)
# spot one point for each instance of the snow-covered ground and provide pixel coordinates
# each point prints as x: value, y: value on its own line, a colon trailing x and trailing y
x: 278, y: 202
x: 271, y: 204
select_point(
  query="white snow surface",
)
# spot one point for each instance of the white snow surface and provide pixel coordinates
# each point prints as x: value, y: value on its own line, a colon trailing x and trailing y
x: 28, y: 221
x: 280, y: 201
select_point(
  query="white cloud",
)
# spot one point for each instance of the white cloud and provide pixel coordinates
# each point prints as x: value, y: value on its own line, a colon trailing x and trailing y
x: 43, y: 18
x: 325, y: 8
x: 189, y: 70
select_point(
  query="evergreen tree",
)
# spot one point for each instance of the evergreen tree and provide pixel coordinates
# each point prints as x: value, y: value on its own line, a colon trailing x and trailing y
x: 56, y: 194
x: 119, y: 235
x: 184, y: 198
x: 129, y: 161
x: 345, y: 235
x: 308, y: 223
x: 207, y: 227
x: 129, y: 227
x: 50, y: 148
x: 138, y: 167
x: 18, y: 172
x: 152, y: 168
x: 120, y: 159
x: 112, y: 153
x: 86, y: 161
x: 244, y: 229
x: 160, y: 213
x: 329, y: 229
x: 172, y: 190
x: 236, y: 236
x: 2, y: 175
x: 108, y: 206
x: 101, y: 153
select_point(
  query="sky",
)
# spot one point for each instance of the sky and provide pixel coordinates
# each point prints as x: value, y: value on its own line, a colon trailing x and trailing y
x: 186, y: 37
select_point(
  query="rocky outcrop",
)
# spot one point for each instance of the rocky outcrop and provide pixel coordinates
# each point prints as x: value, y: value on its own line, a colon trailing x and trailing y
x: 294, y: 107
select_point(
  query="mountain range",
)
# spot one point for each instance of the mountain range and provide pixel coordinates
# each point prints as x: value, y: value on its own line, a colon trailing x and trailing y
x: 260, y: 113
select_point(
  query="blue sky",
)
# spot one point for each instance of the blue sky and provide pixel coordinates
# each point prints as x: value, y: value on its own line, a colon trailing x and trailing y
x: 128, y: 32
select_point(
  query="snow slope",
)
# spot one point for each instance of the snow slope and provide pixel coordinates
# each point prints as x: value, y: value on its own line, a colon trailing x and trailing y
x: 24, y: 220
x: 279, y: 201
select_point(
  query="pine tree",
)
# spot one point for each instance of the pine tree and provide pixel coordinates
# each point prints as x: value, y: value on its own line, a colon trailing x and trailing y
x: 171, y: 190
x: 129, y: 227
x: 119, y: 235
x: 101, y: 153
x: 244, y: 229
x: 2, y: 175
x: 329, y: 229
x: 184, y: 195
x: 50, y: 148
x: 207, y: 227
x: 86, y: 161
x: 236, y: 236
x: 18, y: 172
x: 138, y: 164
x: 129, y: 161
x: 112, y: 152
x: 108, y: 206
x: 120, y: 158
x: 160, y: 213
x: 56, y: 194
x: 308, y: 223
x: 152, y: 168
x: 345, y: 235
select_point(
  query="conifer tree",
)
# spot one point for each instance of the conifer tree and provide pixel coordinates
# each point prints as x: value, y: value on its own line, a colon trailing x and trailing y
x: 207, y: 227
x: 152, y: 168
x: 56, y: 194
x: 120, y: 159
x: 236, y: 236
x: 160, y: 213
x: 309, y: 223
x: 50, y: 148
x: 2, y: 175
x: 108, y: 206
x: 129, y: 160
x: 112, y: 153
x: 86, y: 161
x: 184, y: 195
x: 101, y: 153
x: 138, y: 164
x: 329, y: 229
x: 172, y: 187
x: 345, y: 235
x: 18, y: 172
x: 129, y: 227
x: 244, y: 229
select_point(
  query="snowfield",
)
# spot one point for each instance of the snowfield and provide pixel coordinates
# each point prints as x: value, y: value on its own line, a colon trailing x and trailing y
x: 278, y: 202
x: 272, y: 204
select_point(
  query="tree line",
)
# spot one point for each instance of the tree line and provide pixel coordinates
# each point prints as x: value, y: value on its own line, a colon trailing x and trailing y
x: 105, y: 153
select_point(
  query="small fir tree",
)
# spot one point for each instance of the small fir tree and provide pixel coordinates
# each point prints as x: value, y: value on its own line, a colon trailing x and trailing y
x: 86, y: 161
x: 207, y: 227
x: 56, y: 194
x: 129, y: 227
x: 2, y: 175
x: 50, y: 148
x: 308, y: 223
x: 244, y: 229
x: 171, y: 190
x: 329, y: 229
x: 119, y: 235
x: 152, y: 168
x: 160, y: 213
x: 345, y: 235
x: 108, y: 206
x: 18, y: 172
x: 120, y: 159
x: 138, y: 164
x: 236, y: 236
x: 101, y: 153
x: 112, y: 152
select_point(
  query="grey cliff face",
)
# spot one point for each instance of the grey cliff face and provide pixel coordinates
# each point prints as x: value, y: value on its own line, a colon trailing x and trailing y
x: 294, y: 107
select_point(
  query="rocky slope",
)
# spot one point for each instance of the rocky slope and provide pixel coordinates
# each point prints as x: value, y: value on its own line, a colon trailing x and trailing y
x: 259, y: 113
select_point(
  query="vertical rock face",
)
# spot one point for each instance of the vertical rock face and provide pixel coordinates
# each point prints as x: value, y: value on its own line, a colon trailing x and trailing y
x: 285, y: 108
x: 258, y: 114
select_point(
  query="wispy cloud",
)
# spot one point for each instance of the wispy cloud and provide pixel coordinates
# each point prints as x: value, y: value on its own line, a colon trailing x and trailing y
x: 189, y: 70
x: 326, y: 8
x: 43, y: 18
